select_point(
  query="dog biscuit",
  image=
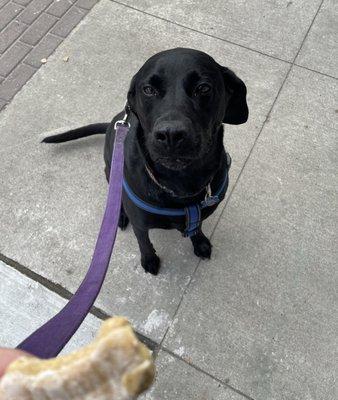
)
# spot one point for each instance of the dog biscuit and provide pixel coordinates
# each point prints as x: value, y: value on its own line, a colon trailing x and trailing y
x: 115, y: 366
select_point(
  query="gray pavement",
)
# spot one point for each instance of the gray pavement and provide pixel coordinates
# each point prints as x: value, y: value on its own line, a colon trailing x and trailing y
x: 26, y: 304
x: 30, y: 30
x: 258, y: 321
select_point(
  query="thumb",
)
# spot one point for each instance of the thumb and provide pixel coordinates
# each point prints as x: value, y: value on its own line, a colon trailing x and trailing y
x: 7, y: 356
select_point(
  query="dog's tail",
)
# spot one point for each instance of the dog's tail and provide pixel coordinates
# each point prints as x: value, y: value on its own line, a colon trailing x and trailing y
x: 88, y: 130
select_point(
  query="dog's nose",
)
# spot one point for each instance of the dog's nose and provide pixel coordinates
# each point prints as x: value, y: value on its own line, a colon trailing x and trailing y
x: 170, y: 137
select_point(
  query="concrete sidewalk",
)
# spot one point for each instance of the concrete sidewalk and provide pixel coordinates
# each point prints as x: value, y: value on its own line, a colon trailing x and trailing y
x: 30, y: 30
x: 259, y: 320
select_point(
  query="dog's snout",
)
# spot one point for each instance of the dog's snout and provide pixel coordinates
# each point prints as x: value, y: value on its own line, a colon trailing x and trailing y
x: 170, y: 137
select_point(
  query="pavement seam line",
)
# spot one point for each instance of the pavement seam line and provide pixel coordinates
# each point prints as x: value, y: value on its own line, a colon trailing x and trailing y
x: 220, y: 381
x: 19, y: 5
x: 6, y: 4
x: 267, y: 117
x: 200, y: 32
x: 13, y: 45
x: 66, y: 294
x: 227, y: 200
x: 42, y: 37
x: 314, y: 71
x: 241, y: 172
x: 228, y: 41
x: 18, y: 40
x: 307, y: 33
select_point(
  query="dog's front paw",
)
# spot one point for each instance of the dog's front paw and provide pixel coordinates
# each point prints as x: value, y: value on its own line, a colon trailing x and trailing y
x: 151, y: 264
x: 202, y: 246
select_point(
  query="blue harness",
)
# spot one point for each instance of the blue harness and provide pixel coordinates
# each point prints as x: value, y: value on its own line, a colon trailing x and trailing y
x: 192, y: 213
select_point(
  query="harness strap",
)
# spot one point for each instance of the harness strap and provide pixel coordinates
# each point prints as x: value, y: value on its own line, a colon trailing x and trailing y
x: 191, y: 213
x: 49, y: 339
x: 193, y: 220
x: 169, y: 212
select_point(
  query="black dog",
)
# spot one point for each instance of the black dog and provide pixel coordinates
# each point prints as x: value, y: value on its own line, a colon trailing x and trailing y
x: 174, y: 154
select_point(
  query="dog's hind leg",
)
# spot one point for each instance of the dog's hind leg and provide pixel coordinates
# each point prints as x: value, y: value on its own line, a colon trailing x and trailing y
x: 201, y: 244
x: 149, y: 260
x: 123, y: 220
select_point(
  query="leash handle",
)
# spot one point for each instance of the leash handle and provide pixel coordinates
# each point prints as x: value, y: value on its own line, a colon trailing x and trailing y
x: 50, y: 338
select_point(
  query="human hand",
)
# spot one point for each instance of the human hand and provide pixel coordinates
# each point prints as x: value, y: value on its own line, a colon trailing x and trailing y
x: 7, y: 356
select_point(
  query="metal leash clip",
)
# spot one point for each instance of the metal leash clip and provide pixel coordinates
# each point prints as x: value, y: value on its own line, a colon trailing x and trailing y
x: 123, y: 121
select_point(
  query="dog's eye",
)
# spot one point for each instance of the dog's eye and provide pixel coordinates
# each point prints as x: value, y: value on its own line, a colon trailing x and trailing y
x: 202, y: 89
x: 149, y: 90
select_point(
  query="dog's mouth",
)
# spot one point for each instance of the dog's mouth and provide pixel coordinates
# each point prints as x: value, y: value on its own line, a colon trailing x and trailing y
x: 179, y: 162
x: 173, y: 163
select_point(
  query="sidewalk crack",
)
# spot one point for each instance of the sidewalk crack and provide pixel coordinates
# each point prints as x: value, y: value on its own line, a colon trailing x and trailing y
x: 66, y: 294
x: 224, y: 383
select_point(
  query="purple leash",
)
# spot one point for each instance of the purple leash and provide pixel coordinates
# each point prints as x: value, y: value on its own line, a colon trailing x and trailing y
x: 50, y: 338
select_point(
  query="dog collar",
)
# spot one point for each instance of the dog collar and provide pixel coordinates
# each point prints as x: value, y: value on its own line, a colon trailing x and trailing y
x: 192, y: 213
x: 170, y: 191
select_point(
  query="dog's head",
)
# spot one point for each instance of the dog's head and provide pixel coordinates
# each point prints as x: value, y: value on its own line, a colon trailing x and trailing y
x: 181, y: 97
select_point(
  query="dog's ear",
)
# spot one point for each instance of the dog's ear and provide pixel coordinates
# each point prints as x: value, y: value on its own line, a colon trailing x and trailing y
x: 131, y: 94
x: 237, y: 110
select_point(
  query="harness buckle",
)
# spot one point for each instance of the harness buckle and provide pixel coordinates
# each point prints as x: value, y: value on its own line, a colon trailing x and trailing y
x: 210, y: 201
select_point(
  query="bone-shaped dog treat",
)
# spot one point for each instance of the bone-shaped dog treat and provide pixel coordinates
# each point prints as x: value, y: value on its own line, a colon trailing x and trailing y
x: 115, y: 366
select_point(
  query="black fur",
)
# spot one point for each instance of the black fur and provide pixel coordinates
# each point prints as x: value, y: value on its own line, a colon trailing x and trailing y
x: 179, y: 100
x: 88, y: 130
